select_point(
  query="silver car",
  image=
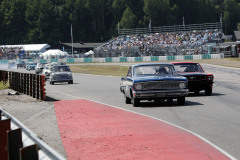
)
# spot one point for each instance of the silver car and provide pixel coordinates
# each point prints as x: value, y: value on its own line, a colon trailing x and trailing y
x: 60, y: 73
x: 46, y: 71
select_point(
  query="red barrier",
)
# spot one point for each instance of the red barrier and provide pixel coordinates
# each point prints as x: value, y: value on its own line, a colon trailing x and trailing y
x: 5, y: 126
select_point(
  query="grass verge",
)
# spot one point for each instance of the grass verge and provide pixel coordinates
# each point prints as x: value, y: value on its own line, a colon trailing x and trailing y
x: 105, y: 70
x: 3, y: 86
x: 121, y: 71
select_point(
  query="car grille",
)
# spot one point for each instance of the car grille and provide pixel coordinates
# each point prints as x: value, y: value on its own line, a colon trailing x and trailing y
x: 61, y: 76
x: 160, y: 85
x: 196, y: 78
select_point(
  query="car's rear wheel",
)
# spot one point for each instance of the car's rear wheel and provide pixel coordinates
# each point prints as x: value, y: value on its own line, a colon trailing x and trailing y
x: 135, y: 102
x: 127, y: 100
x: 181, y: 100
x: 208, y: 91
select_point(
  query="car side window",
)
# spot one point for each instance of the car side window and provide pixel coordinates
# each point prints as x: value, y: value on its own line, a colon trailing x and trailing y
x: 129, y: 72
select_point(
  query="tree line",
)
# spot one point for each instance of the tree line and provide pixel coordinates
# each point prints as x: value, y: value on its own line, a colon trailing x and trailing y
x: 49, y: 21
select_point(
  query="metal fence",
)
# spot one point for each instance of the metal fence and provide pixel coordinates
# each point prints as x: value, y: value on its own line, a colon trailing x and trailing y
x: 19, y: 143
x: 172, y: 29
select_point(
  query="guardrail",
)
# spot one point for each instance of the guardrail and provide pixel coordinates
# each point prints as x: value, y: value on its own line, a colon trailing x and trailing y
x: 169, y: 29
x: 19, y: 143
x: 30, y: 84
x: 140, y: 59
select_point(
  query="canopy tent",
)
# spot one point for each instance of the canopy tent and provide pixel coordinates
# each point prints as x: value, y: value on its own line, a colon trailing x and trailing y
x: 89, y: 53
x: 54, y: 53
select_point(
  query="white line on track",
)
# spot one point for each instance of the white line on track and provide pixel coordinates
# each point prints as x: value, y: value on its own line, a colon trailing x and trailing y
x: 195, y: 134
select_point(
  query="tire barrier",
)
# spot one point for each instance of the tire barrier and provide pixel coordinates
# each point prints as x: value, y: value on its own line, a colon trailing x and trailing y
x: 30, y: 84
x: 19, y: 143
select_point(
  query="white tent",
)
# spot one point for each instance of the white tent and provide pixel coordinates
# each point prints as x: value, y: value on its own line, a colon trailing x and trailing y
x: 54, y: 53
x: 89, y: 53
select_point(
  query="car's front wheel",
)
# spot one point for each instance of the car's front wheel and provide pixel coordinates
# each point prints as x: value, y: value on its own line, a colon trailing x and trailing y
x: 169, y: 100
x: 196, y: 92
x: 127, y: 100
x: 51, y: 82
x: 181, y: 100
x: 208, y: 91
x: 135, y: 102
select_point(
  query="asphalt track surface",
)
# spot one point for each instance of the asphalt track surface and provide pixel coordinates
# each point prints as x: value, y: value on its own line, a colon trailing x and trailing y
x: 216, y: 117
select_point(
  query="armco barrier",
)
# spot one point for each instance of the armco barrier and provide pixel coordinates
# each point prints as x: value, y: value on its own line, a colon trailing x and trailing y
x: 19, y: 143
x: 129, y: 59
x: 30, y: 84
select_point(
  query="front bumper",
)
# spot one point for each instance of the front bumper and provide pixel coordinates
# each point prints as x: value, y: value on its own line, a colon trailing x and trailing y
x: 63, y: 79
x: 199, y: 85
x: 160, y: 94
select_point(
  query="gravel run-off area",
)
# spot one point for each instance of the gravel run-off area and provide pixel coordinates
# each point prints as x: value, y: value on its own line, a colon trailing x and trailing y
x: 39, y: 116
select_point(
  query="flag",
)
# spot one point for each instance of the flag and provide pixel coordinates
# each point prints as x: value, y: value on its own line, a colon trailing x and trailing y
x: 183, y: 22
x: 150, y: 25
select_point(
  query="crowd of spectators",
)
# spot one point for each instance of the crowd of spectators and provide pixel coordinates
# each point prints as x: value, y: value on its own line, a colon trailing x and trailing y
x: 7, y: 52
x: 146, y: 42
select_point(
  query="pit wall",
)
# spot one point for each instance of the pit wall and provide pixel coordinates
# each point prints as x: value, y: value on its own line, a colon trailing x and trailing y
x: 125, y: 59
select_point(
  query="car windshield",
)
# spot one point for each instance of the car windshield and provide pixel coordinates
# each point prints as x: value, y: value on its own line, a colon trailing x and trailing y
x: 188, y: 67
x: 153, y: 70
x: 61, y: 69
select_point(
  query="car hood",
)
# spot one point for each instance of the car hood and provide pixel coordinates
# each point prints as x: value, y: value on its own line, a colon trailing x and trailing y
x: 192, y: 73
x: 159, y: 78
x: 61, y: 73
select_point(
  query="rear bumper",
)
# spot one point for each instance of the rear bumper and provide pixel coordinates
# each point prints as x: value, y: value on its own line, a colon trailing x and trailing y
x: 160, y: 94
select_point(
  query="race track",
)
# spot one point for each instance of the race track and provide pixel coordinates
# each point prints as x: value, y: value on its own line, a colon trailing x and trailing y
x: 216, y: 117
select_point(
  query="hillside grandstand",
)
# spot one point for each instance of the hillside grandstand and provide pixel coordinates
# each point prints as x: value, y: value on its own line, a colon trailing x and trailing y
x: 174, y: 42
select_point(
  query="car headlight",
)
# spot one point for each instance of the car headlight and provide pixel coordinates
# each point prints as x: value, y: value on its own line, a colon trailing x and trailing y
x: 182, y: 85
x: 53, y: 75
x: 138, y: 86
x: 70, y: 74
x: 209, y: 77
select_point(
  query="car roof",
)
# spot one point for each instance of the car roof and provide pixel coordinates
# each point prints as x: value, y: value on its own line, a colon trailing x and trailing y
x: 151, y: 64
x: 60, y: 65
x: 185, y: 63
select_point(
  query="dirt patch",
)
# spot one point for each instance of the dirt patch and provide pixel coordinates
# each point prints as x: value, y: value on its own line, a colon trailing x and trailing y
x: 7, y: 95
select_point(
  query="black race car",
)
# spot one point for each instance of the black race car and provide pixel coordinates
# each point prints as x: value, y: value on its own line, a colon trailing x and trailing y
x: 198, y: 80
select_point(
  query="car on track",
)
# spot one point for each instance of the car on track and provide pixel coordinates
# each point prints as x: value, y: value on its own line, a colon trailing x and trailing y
x: 46, y: 71
x: 60, y: 73
x: 39, y: 68
x: 11, y: 65
x: 31, y: 66
x: 21, y: 64
x: 198, y: 80
x: 153, y: 81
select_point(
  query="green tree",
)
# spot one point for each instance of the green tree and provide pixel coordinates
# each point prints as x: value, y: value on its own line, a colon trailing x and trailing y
x: 157, y: 11
x: 231, y: 15
x: 31, y: 17
x: 12, y: 21
x: 129, y: 20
